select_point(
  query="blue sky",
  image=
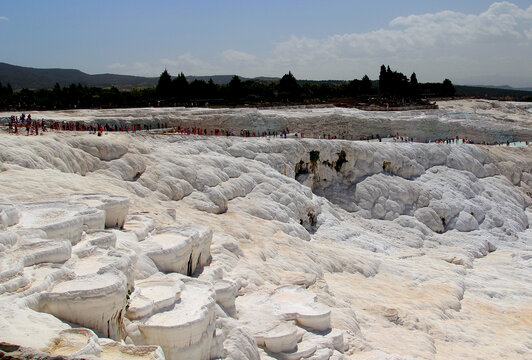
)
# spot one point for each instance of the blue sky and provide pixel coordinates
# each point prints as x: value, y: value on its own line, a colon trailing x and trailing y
x: 473, y: 41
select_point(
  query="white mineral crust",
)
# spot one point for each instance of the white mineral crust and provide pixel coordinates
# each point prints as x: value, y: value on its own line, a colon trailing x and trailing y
x: 298, y: 248
x: 178, y: 316
x: 179, y: 249
x: 96, y: 301
x: 115, y: 207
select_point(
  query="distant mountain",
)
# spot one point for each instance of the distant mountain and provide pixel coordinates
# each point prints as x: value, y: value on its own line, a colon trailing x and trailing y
x: 217, y: 79
x: 492, y: 92
x: 506, y: 87
x: 25, y: 77
x: 32, y: 78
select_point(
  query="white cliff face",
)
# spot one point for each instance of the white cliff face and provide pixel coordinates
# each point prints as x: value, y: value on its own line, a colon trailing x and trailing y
x: 298, y: 248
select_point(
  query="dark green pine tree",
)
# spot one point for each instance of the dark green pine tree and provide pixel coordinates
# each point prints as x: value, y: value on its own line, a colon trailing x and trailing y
x: 57, y: 89
x: 365, y: 85
x: 414, y: 86
x: 164, y: 86
x: 180, y: 87
x: 383, y: 80
x: 212, y: 89
x: 353, y: 87
x: 235, y: 87
x: 288, y: 87
x: 447, y: 88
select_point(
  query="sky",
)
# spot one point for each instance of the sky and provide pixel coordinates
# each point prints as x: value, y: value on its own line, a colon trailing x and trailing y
x: 469, y: 42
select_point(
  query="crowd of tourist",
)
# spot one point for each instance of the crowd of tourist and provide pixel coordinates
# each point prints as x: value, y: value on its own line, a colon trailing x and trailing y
x: 28, y: 126
x: 25, y: 124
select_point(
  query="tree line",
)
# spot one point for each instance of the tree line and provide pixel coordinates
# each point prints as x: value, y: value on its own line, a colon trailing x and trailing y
x: 177, y: 91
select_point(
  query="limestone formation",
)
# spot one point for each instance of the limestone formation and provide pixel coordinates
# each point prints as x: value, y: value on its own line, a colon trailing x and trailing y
x: 156, y: 246
x: 115, y: 207
x: 174, y: 312
x: 179, y: 249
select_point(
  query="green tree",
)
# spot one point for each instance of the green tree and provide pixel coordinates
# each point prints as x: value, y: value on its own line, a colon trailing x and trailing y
x: 365, y: 85
x: 212, y: 90
x: 235, y: 87
x: 353, y: 87
x: 414, y: 86
x: 198, y: 89
x: 392, y: 83
x: 180, y: 87
x: 164, y: 86
x: 447, y: 88
x: 288, y: 87
x: 383, y: 80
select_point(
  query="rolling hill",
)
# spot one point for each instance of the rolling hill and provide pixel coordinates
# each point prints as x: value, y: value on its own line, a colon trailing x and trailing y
x: 25, y: 77
x: 33, y: 78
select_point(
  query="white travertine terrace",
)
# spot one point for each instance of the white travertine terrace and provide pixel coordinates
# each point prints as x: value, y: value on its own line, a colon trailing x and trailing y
x: 175, y: 312
x: 179, y: 249
x: 75, y: 343
x: 282, y: 338
x: 96, y: 260
x: 96, y: 301
x: 89, y: 283
x: 117, y: 351
x: 139, y: 226
x: 104, y: 239
x: 25, y: 253
x: 83, y: 343
x: 280, y: 311
x: 153, y: 295
x: 115, y: 207
x: 296, y: 303
x: 393, y: 251
x: 60, y: 219
x: 226, y: 292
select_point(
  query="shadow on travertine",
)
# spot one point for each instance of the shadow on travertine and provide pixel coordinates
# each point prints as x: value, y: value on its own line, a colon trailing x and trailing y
x: 105, y: 284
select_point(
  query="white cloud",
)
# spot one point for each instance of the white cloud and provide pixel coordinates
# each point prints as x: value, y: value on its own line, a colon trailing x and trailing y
x: 170, y: 62
x: 237, y: 56
x: 4, y: 18
x: 501, y: 36
x: 185, y: 63
x: 144, y: 69
x: 502, y: 22
x: 492, y: 45
x: 188, y: 64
